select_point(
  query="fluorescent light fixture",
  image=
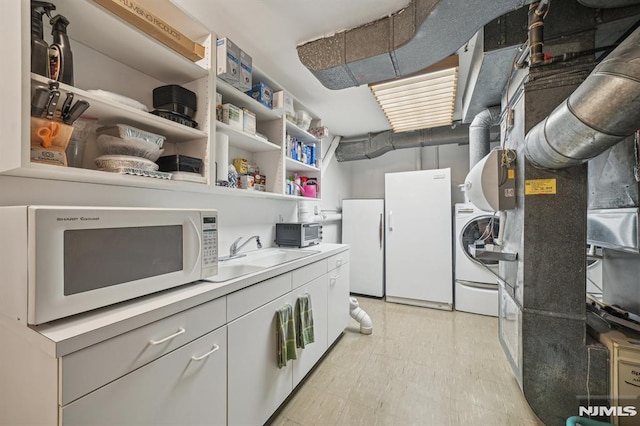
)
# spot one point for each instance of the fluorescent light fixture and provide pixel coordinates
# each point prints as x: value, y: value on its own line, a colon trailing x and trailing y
x: 420, y: 101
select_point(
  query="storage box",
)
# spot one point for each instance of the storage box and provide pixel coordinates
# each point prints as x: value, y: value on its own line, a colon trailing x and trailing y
x: 232, y: 115
x: 246, y: 182
x: 261, y: 93
x: 228, y: 60
x: 284, y: 101
x: 246, y: 71
x: 241, y: 165
x: 248, y: 121
x: 303, y: 119
x: 179, y: 163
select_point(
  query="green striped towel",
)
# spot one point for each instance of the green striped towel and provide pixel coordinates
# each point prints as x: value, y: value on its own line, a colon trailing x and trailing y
x: 304, y: 321
x: 285, y: 335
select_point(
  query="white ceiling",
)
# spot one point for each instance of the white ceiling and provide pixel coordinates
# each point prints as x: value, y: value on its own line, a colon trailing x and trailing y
x: 269, y: 31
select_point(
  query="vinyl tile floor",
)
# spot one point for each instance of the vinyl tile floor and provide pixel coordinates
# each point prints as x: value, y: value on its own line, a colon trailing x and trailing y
x: 419, y: 367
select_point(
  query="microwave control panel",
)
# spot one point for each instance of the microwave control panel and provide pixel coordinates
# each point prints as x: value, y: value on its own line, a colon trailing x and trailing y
x: 209, y: 241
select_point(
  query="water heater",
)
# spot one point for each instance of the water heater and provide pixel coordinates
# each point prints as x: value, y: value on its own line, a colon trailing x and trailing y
x: 491, y: 183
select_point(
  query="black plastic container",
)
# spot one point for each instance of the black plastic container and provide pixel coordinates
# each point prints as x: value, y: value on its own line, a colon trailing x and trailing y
x: 175, y: 98
x: 179, y: 163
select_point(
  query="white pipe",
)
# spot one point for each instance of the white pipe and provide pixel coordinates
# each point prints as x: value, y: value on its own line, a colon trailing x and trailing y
x: 356, y: 312
x: 501, y: 226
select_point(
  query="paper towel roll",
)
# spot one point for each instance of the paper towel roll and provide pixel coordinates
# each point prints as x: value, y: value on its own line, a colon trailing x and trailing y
x: 222, y: 156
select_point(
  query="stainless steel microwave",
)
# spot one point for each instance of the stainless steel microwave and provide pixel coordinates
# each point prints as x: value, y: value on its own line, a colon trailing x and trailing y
x: 298, y: 234
x: 59, y: 260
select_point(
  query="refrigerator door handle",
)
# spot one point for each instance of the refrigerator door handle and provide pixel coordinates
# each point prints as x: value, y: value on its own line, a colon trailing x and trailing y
x: 390, y: 221
x: 380, y: 231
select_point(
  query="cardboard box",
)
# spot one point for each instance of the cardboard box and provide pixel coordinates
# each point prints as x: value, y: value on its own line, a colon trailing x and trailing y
x: 246, y: 182
x: 261, y: 93
x: 232, y: 115
x: 228, y: 60
x: 140, y: 17
x: 241, y: 165
x: 246, y: 71
x: 248, y: 121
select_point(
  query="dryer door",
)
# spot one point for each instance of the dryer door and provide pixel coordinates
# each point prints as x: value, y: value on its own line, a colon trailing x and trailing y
x: 483, y: 228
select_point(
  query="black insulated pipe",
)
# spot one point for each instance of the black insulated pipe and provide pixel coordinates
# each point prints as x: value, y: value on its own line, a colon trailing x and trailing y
x: 536, y: 31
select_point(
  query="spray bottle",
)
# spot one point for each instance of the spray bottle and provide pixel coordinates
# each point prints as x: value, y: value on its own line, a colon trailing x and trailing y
x: 39, y: 47
x: 60, y: 56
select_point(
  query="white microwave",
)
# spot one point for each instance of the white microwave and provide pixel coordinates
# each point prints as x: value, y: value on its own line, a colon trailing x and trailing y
x: 59, y: 261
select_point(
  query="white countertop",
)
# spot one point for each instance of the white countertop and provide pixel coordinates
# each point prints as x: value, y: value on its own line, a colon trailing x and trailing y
x: 70, y: 334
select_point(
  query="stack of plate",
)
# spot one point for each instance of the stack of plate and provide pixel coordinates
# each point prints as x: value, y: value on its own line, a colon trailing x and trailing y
x: 129, y: 150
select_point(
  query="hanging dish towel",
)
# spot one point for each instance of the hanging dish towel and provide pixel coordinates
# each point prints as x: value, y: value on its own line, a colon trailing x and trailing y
x: 286, y: 335
x: 304, y: 321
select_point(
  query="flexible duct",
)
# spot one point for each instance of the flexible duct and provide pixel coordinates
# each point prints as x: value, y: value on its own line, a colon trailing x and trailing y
x: 601, y: 112
x: 374, y: 145
x: 480, y: 134
x: 358, y: 314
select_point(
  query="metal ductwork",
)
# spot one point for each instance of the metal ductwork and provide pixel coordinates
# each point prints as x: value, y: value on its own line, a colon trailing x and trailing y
x: 374, y: 145
x: 414, y: 38
x: 480, y: 134
x: 601, y: 112
x: 608, y: 4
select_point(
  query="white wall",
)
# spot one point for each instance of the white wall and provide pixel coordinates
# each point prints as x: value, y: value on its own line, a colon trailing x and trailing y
x: 367, y: 176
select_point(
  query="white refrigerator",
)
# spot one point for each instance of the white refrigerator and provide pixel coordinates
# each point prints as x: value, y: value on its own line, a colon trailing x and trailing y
x: 363, y: 230
x: 418, y: 253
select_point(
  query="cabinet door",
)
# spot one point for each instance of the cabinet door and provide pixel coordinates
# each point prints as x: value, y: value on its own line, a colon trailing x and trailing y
x: 307, y: 357
x: 338, y: 317
x: 186, y: 386
x: 256, y: 386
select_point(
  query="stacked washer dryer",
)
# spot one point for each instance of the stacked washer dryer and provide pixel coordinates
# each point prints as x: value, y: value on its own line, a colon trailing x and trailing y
x: 476, y: 286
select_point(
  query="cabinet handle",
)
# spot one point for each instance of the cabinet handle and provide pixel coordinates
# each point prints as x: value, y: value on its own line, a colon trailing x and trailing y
x: 333, y: 280
x: 173, y: 336
x: 201, y: 357
x: 338, y: 262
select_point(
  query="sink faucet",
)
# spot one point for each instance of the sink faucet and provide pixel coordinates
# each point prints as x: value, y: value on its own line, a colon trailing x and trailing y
x: 234, y: 249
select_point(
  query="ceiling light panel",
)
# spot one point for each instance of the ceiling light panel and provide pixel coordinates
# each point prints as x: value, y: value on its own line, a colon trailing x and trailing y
x: 420, y: 101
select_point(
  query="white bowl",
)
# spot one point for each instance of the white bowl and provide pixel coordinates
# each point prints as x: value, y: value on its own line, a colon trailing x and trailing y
x: 110, y: 162
x: 112, y: 145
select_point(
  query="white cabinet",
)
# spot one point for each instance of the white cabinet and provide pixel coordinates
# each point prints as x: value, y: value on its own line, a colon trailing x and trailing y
x: 338, y: 305
x: 309, y: 356
x: 256, y: 385
x: 186, y: 387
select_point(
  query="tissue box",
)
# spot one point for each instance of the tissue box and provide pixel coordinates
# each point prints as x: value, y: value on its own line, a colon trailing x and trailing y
x: 232, y: 115
x: 228, y: 60
x: 303, y: 119
x: 246, y: 70
x: 261, y: 93
x: 283, y: 100
x: 248, y: 121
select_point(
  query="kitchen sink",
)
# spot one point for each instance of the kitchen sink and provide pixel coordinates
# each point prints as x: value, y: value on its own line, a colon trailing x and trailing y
x: 273, y: 257
x: 256, y: 261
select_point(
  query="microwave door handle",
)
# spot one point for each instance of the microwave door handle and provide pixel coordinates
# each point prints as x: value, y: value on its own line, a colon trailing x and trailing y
x: 196, y: 247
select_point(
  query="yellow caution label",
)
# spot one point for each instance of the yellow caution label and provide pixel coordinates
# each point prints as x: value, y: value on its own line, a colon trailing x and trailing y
x: 540, y: 186
x: 511, y: 174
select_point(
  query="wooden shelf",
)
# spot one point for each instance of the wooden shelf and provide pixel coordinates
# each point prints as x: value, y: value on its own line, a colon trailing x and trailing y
x: 246, y: 141
x: 108, y: 111
x: 297, y: 166
x: 232, y: 95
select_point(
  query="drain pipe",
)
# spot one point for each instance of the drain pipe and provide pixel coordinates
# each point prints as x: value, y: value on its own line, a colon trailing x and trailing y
x: 602, y: 111
x: 480, y: 134
x: 356, y: 312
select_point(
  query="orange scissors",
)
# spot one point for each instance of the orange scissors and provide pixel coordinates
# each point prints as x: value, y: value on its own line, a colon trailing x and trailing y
x: 48, y: 134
